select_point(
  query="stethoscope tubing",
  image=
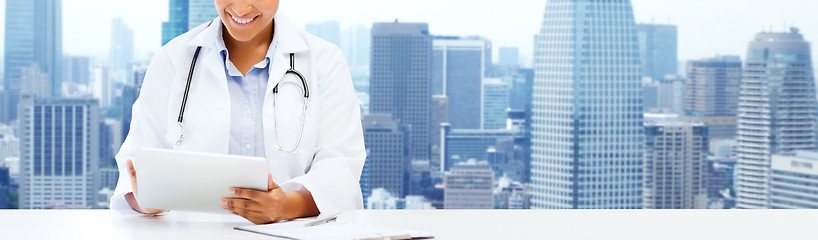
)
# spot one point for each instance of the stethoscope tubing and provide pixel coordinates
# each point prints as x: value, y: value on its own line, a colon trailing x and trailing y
x: 304, y: 85
x: 187, y: 85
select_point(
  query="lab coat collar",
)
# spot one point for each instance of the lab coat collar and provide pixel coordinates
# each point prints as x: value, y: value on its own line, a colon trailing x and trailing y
x: 289, y: 39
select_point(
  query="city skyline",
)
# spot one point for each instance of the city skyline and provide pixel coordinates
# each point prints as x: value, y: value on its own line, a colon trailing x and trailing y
x: 598, y: 121
x: 694, y: 18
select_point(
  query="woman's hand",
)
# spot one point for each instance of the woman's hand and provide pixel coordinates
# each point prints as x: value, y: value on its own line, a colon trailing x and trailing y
x: 131, y: 197
x: 272, y: 206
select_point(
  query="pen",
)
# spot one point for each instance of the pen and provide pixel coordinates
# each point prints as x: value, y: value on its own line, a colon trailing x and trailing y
x: 331, y: 218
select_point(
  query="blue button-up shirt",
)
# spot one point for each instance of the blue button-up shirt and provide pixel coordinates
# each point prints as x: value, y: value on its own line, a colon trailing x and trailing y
x: 247, y: 100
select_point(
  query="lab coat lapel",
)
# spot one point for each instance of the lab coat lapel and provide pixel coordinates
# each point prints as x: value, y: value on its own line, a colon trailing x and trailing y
x: 218, y: 97
x: 278, y: 67
x: 288, y: 41
x: 220, y: 100
x: 208, y: 109
x: 207, y: 113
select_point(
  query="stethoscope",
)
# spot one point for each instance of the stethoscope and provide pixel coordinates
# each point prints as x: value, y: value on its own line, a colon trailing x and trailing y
x: 176, y: 133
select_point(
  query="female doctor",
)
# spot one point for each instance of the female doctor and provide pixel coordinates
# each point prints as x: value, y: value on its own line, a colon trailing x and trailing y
x: 251, y: 83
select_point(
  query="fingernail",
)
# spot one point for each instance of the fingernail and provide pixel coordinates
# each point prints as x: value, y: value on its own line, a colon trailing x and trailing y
x: 232, y: 191
x: 224, y: 203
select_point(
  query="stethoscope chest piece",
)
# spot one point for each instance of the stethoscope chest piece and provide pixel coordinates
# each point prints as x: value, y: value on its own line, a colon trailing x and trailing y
x: 175, y: 134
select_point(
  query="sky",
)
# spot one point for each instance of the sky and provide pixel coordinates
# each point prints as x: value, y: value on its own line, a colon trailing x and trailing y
x: 706, y: 27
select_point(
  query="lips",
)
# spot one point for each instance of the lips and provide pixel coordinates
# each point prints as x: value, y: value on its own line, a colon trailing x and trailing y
x: 243, y: 20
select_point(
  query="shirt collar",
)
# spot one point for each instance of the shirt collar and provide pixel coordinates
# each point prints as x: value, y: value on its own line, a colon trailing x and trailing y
x: 222, y: 48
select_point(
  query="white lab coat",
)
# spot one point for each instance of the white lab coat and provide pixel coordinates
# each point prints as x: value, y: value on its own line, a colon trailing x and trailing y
x: 330, y: 157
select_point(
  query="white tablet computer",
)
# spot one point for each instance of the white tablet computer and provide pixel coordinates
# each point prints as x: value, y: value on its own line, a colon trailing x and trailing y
x: 189, y: 181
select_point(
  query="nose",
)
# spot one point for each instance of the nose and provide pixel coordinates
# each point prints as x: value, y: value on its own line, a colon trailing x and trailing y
x: 242, y: 8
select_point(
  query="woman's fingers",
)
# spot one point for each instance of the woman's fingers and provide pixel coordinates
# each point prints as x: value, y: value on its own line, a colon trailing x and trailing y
x: 133, y: 202
x: 247, y: 193
x: 240, y: 207
x: 132, y: 173
x: 227, y: 203
x: 131, y: 169
x: 252, y: 215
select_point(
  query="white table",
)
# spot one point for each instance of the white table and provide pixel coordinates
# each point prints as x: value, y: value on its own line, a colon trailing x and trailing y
x: 445, y: 224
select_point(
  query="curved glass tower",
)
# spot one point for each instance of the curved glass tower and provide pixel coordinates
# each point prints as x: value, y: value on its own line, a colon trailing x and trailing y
x: 587, y: 107
x: 776, y: 112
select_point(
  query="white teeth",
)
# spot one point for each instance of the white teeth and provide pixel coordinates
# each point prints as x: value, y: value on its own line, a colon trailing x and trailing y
x: 241, y: 20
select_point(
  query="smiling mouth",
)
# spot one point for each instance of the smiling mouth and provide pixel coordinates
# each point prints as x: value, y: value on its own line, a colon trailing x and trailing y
x: 242, y: 20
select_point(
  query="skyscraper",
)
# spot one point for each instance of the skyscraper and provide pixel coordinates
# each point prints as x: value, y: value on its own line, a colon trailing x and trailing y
x: 400, y: 80
x: 385, y: 158
x: 458, y: 70
x: 522, y: 82
x: 776, y: 110
x: 122, y: 47
x: 712, y: 94
x: 33, y: 36
x: 48, y: 40
x: 675, y: 166
x: 495, y: 104
x: 60, y: 154
x: 177, y: 20
x: 658, y: 49
x: 587, y: 114
x: 199, y: 12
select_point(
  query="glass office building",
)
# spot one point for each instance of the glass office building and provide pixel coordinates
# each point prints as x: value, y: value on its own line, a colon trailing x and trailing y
x: 199, y: 12
x: 400, y: 80
x: 177, y: 20
x: 776, y: 110
x: 33, y: 39
x: 711, y: 94
x: 59, y: 162
x: 122, y: 45
x: 658, y: 48
x: 457, y: 72
x: 587, y: 108
x: 495, y: 103
x: 385, y: 155
x: 675, y: 165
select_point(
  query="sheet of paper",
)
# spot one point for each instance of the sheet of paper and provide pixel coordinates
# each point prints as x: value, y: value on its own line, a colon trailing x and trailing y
x: 332, y: 231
